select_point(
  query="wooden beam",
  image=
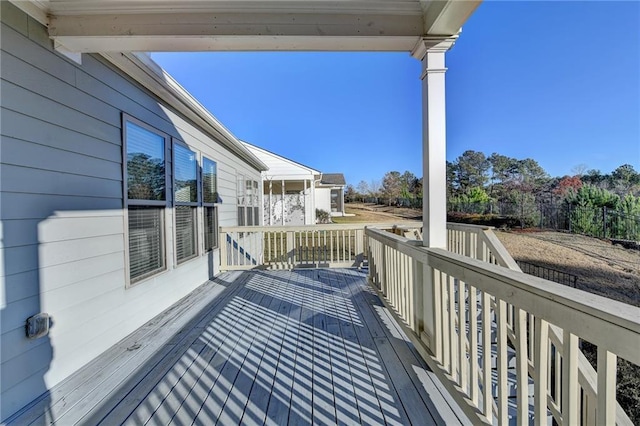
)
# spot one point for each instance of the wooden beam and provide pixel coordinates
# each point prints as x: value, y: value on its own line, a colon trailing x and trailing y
x: 89, y: 44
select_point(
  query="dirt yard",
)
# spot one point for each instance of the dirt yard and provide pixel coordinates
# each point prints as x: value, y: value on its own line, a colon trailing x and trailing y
x: 376, y: 214
x: 602, y: 268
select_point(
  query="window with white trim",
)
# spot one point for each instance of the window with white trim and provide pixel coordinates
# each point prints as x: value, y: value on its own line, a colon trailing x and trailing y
x: 248, y: 202
x: 256, y: 204
x: 146, y: 198
x: 241, y: 201
x: 210, y: 198
x: 185, y: 195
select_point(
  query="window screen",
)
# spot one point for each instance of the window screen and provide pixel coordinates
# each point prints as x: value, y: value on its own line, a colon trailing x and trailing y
x: 146, y: 179
x: 210, y: 228
x: 185, y: 233
x: 146, y: 241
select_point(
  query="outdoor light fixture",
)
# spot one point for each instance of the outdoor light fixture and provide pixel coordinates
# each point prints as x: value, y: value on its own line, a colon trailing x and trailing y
x: 38, y: 325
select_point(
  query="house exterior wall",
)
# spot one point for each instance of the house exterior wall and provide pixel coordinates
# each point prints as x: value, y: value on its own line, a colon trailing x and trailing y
x: 61, y: 209
x: 323, y: 199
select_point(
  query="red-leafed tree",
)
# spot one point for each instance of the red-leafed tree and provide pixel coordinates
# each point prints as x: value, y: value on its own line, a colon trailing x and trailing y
x: 567, y: 183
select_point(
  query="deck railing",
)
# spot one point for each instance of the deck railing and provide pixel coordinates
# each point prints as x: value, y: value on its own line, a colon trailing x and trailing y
x: 459, y: 304
x: 286, y: 247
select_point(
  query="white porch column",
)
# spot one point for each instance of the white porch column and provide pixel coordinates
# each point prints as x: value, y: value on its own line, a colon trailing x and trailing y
x: 304, y: 201
x: 431, y: 52
x: 270, y: 202
x: 313, y: 201
x: 283, y: 210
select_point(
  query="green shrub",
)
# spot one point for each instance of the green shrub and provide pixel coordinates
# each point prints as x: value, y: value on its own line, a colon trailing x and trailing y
x: 323, y: 216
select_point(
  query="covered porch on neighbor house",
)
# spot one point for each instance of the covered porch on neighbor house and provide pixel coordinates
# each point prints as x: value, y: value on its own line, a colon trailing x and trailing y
x: 299, y: 347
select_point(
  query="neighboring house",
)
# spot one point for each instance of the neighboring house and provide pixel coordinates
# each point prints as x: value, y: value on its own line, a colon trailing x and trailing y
x: 292, y: 191
x: 100, y: 243
x: 331, y: 187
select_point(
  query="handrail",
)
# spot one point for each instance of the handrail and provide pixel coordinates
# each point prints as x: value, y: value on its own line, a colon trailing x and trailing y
x: 285, y: 247
x: 319, y: 227
x: 498, y: 304
x: 479, y: 242
x: 497, y: 254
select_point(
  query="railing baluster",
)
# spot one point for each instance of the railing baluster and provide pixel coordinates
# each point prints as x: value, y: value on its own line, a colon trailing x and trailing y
x: 446, y: 328
x: 522, y: 367
x: 486, y: 357
x: 502, y: 363
x: 473, y: 343
x: 409, y: 288
x: 541, y: 371
x: 570, y: 389
x: 452, y: 330
x: 438, y: 312
x: 606, y: 409
x: 462, y: 338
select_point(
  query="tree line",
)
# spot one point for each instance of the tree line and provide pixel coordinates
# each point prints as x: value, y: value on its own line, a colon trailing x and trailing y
x: 475, y: 178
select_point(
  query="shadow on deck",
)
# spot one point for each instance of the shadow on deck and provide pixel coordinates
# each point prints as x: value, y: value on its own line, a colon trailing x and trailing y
x: 260, y: 347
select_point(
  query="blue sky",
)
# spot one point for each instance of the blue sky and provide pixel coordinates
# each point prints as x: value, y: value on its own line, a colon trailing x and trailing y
x: 555, y: 81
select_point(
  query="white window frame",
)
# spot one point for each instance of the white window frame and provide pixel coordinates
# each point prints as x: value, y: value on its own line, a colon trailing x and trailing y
x: 166, y: 203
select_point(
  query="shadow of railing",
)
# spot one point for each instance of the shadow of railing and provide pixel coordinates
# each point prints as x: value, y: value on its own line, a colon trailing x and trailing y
x: 265, y: 357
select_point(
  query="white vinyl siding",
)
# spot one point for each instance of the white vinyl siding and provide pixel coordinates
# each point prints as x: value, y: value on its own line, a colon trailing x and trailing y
x: 63, y: 203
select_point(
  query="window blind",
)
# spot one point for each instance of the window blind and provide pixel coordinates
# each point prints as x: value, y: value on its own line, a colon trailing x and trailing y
x: 210, y: 228
x: 146, y: 241
x: 146, y: 179
x: 241, y: 221
x: 209, y: 181
x: 185, y: 171
x: 185, y: 232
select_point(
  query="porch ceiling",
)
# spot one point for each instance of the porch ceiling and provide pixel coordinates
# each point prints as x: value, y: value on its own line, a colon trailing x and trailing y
x: 199, y: 25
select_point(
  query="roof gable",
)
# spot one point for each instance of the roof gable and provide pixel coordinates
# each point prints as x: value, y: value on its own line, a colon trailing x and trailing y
x: 279, y: 165
x: 333, y: 179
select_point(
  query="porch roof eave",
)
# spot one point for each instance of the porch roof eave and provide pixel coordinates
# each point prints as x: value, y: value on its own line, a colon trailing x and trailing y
x: 305, y: 25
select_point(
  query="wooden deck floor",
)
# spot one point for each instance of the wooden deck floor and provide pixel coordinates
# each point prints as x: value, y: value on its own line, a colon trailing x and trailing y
x: 261, y: 347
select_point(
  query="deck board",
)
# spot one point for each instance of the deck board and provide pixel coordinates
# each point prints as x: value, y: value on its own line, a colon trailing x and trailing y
x: 300, y: 347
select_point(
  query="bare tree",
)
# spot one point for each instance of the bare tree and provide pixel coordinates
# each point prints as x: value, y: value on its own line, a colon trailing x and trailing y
x: 374, y: 188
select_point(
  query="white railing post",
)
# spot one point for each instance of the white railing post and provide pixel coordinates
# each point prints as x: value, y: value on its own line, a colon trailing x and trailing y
x: 223, y: 251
